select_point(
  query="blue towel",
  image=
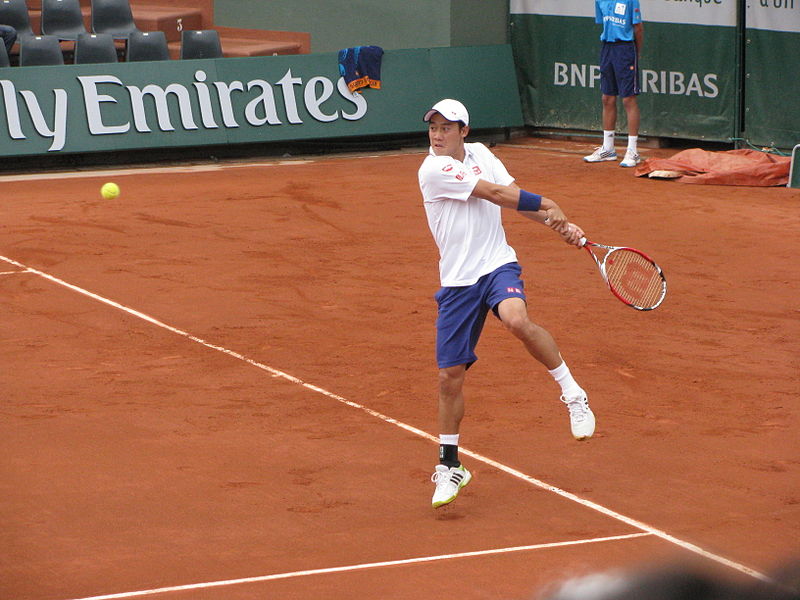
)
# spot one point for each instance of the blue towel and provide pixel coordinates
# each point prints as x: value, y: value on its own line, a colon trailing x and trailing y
x: 361, y: 67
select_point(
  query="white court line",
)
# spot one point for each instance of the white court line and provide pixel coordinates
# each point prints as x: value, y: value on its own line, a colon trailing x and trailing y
x: 149, y: 170
x: 506, y: 469
x: 13, y: 272
x: 201, y: 168
x: 361, y: 567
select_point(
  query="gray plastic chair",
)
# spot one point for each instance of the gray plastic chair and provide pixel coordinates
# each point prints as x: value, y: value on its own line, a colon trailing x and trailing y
x: 62, y: 19
x: 200, y: 43
x: 40, y: 50
x: 114, y: 17
x: 15, y: 13
x: 147, y: 45
x: 95, y: 48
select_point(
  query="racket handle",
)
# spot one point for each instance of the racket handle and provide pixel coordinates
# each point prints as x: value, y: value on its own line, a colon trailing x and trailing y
x: 582, y: 242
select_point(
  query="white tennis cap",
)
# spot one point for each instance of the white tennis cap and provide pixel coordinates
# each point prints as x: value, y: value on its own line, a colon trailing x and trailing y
x: 450, y: 109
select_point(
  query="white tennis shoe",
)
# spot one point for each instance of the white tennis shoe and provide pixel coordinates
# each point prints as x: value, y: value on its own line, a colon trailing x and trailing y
x: 599, y: 155
x: 631, y: 159
x: 449, y: 481
x: 581, y: 417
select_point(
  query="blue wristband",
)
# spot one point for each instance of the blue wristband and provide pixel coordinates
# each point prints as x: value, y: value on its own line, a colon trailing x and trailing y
x: 528, y: 201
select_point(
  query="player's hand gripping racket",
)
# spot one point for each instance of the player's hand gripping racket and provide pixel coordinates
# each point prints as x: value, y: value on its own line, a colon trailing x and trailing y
x: 631, y: 275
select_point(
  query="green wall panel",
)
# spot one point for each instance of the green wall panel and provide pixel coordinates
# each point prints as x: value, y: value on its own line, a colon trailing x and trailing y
x: 684, y: 94
x: 772, y: 74
x: 121, y: 106
x: 336, y: 24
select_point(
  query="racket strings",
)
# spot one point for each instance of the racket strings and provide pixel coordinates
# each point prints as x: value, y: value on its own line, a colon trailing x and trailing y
x: 634, y: 278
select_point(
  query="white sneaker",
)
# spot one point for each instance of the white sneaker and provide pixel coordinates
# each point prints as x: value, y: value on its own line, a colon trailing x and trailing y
x: 631, y: 159
x: 599, y: 155
x: 581, y: 417
x: 449, y: 481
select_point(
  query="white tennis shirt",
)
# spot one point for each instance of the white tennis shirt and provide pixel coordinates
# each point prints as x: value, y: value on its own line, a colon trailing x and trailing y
x: 468, y: 230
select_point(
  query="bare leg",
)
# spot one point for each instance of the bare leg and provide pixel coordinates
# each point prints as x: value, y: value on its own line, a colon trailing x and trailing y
x: 451, y: 398
x: 537, y: 340
x: 541, y: 345
x: 632, y: 110
x: 609, y: 113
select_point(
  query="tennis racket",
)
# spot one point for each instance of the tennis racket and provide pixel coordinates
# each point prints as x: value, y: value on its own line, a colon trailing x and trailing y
x: 631, y: 275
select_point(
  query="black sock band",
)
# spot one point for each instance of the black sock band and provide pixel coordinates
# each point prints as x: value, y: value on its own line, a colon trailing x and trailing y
x: 448, y: 455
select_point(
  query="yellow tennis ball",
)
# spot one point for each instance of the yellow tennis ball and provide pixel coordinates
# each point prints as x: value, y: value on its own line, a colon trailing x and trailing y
x: 109, y: 190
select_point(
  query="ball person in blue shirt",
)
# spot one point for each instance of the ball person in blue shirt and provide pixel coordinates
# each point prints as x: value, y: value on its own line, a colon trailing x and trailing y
x: 622, y: 38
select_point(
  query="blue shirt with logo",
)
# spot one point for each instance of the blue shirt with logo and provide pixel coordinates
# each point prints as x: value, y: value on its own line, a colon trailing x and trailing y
x: 618, y: 18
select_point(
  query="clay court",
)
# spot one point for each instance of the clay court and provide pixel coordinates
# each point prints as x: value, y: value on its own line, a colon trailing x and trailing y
x: 221, y: 385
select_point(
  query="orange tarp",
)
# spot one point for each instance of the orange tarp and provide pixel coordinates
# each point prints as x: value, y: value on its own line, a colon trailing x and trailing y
x: 734, y: 167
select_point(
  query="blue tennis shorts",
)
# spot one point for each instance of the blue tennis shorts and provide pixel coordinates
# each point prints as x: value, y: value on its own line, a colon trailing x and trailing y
x: 463, y: 310
x: 619, y: 69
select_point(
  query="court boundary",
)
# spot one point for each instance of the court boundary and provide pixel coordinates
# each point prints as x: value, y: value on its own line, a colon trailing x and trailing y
x: 276, y: 373
x: 360, y: 567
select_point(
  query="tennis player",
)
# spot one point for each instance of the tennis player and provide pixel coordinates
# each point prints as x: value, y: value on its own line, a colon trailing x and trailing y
x: 464, y: 186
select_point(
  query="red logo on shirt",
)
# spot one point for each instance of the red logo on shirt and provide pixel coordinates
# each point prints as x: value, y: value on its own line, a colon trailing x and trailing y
x: 447, y: 168
x: 461, y: 176
x: 477, y: 170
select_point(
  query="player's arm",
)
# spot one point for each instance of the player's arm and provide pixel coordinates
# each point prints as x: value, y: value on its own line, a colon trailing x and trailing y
x: 535, y: 207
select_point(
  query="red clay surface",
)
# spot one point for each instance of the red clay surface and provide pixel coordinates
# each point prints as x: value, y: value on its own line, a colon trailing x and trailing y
x: 134, y: 457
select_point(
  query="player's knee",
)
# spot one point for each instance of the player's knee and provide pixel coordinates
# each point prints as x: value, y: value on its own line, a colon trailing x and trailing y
x: 518, y: 324
x: 451, y: 377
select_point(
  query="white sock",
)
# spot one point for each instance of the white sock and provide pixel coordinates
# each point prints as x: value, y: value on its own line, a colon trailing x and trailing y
x: 632, y: 140
x: 608, y: 140
x: 564, y: 378
x: 449, y: 439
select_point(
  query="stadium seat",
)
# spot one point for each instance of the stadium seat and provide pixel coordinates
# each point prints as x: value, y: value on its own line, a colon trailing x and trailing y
x: 15, y: 13
x: 95, y: 48
x: 114, y: 17
x: 147, y: 45
x: 200, y: 43
x: 4, y: 62
x: 62, y: 19
x: 40, y: 50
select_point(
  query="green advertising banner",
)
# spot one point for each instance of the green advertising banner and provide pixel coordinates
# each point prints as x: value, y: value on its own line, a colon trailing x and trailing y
x: 179, y: 103
x: 689, y: 76
x: 772, y: 73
